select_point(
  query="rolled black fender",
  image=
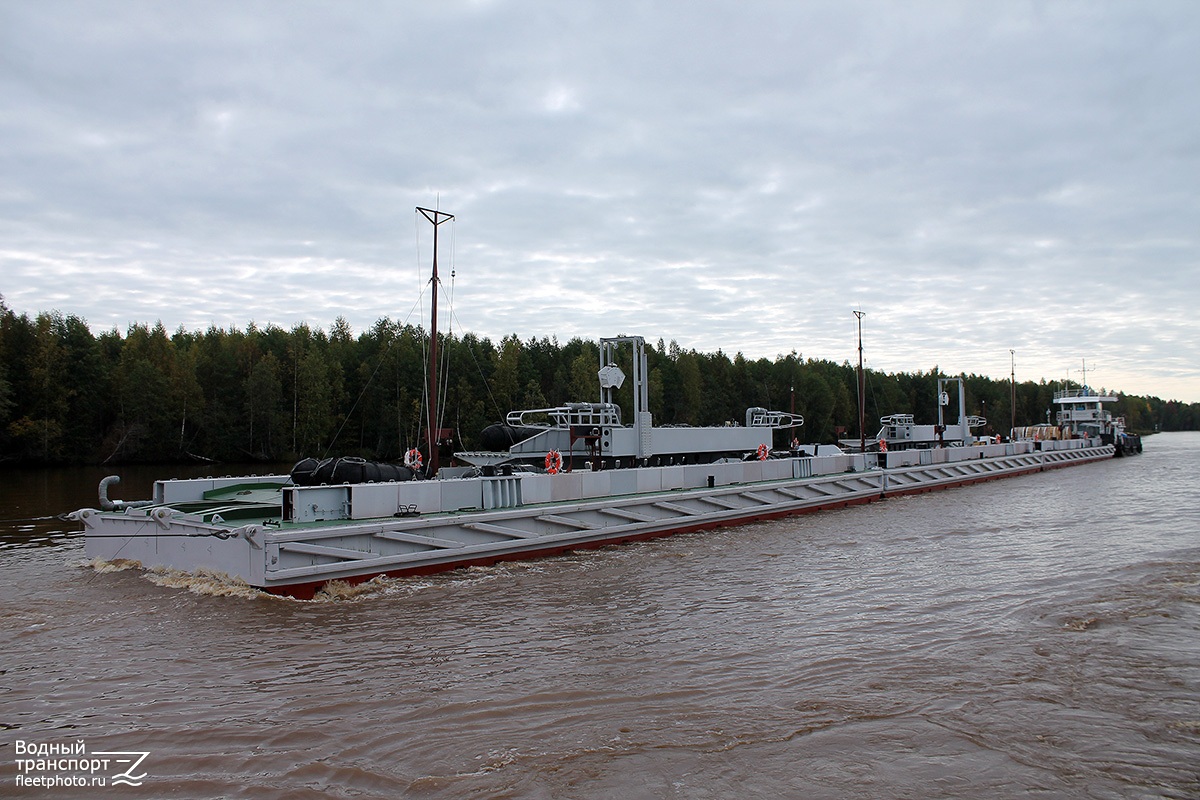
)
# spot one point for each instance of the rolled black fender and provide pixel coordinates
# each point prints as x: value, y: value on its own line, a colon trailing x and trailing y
x: 347, y: 469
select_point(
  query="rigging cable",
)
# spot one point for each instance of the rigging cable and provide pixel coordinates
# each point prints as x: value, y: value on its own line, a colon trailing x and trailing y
x: 370, y: 380
x: 486, y: 384
x: 874, y: 398
x: 421, y: 284
x: 444, y: 366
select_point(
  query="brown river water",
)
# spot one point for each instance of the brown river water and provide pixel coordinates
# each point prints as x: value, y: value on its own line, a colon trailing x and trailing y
x: 1031, y: 637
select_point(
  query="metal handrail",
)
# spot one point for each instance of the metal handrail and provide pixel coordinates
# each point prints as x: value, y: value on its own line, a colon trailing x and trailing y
x: 762, y: 418
x: 604, y: 414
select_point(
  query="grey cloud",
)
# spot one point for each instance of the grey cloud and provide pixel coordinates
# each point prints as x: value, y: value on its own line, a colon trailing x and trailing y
x: 976, y: 177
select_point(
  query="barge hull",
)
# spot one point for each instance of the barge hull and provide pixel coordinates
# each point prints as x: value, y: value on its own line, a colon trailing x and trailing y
x: 298, y: 559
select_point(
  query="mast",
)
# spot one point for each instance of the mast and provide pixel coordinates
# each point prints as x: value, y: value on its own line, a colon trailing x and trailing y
x: 436, y: 218
x: 862, y: 422
x: 1012, y: 391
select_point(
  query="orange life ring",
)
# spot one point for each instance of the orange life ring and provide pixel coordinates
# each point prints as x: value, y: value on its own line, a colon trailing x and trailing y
x: 554, y: 462
x: 763, y: 452
x: 412, y: 459
x: 883, y: 445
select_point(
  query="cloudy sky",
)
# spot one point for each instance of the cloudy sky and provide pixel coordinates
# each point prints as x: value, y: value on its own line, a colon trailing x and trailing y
x: 976, y: 177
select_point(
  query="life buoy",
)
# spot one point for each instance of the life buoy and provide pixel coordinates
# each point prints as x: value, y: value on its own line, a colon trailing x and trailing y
x: 763, y: 452
x: 412, y: 459
x: 883, y: 445
x: 553, y: 462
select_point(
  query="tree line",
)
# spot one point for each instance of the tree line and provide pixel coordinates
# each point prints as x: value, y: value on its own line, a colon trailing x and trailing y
x: 270, y: 394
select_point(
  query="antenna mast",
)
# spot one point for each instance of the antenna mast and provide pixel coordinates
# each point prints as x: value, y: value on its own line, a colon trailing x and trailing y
x: 1012, y: 391
x: 436, y: 218
x: 862, y: 420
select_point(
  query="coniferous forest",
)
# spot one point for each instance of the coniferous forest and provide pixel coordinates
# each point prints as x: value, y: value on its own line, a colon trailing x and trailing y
x: 149, y: 395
